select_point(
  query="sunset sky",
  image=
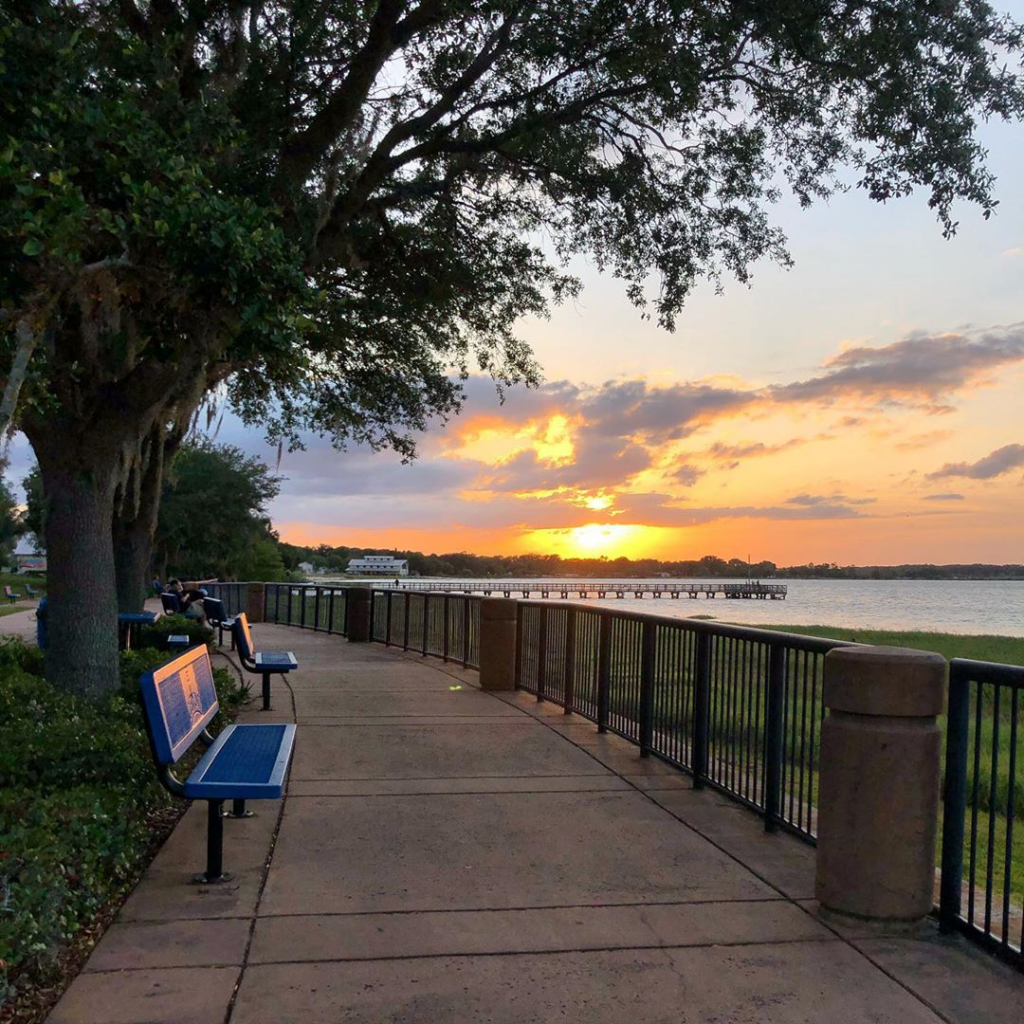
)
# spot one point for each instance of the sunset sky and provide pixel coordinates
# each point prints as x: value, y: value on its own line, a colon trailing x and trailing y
x: 864, y: 406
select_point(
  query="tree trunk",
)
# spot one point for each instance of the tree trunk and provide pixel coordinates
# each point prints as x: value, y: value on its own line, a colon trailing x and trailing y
x: 133, y: 549
x: 134, y: 527
x: 81, y: 652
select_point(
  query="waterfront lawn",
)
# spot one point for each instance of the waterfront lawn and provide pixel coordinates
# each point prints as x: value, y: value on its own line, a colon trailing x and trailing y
x: 1008, y: 650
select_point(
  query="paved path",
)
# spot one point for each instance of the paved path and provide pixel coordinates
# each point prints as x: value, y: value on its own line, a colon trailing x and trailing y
x: 445, y: 855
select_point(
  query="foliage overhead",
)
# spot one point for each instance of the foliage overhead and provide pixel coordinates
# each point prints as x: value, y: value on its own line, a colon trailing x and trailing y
x: 335, y: 205
x: 213, y: 516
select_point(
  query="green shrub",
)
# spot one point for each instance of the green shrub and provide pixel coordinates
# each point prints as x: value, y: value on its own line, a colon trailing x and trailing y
x: 78, y: 800
x: 156, y: 635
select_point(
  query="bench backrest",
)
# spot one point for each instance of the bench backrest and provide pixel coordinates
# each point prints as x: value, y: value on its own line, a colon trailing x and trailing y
x: 243, y: 636
x: 171, y: 603
x: 214, y: 608
x: 9, y: 593
x: 180, y: 701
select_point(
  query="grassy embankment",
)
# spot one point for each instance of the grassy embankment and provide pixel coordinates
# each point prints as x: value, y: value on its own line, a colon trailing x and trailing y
x: 17, y: 584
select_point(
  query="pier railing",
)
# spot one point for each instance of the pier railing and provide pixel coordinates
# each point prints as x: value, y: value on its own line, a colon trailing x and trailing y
x: 982, y: 889
x: 587, y: 588
x: 738, y: 708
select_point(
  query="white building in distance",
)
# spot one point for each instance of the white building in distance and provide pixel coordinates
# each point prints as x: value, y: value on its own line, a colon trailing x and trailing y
x: 378, y: 565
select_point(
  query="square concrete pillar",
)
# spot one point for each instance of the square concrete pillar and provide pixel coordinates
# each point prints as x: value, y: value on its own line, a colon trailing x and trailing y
x: 360, y: 614
x: 254, y: 602
x: 878, y: 800
x: 498, y: 643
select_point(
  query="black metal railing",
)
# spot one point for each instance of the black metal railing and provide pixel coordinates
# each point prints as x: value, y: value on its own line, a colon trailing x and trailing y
x: 234, y: 595
x: 442, y: 625
x: 982, y: 887
x: 738, y: 708
x: 320, y: 608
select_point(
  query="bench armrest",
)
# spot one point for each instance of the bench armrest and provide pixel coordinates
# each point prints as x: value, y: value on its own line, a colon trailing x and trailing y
x: 170, y: 783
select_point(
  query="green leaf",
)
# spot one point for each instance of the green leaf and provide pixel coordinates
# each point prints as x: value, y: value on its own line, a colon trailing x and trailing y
x: 33, y: 247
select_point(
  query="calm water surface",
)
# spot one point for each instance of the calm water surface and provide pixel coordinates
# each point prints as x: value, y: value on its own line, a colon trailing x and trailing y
x: 946, y: 606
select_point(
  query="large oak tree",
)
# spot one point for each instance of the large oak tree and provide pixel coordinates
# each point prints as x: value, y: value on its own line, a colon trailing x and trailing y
x: 331, y: 208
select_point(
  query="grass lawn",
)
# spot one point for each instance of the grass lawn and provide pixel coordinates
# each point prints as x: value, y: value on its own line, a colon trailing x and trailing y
x: 1008, y: 650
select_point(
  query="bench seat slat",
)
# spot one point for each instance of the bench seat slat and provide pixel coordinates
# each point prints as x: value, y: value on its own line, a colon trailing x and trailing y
x: 246, y: 762
x: 279, y: 661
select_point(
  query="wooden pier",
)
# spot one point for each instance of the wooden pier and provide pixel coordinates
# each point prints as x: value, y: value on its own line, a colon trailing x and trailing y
x: 593, y: 588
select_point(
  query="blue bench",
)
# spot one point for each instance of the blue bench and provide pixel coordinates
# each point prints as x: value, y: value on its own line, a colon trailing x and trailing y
x: 171, y: 603
x: 10, y: 594
x: 216, y: 615
x: 29, y: 590
x: 262, y: 663
x: 245, y: 762
x: 128, y: 625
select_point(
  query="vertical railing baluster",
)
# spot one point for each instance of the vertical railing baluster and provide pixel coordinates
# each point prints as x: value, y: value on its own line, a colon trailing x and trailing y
x: 330, y: 610
x: 542, y: 652
x: 648, y: 643
x: 445, y: 629
x: 405, y: 623
x: 316, y: 609
x: 387, y: 628
x: 569, y: 693
x: 604, y: 664
x: 774, y: 739
x: 465, y: 632
x: 426, y: 624
x: 954, y: 798
x: 520, y: 645
x: 701, y: 710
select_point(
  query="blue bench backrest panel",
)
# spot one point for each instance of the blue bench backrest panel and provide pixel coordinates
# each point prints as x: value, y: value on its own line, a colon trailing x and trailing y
x: 243, y: 636
x: 180, y: 701
x: 214, y: 608
x: 171, y: 603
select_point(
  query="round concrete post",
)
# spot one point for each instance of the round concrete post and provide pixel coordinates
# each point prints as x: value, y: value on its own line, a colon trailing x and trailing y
x: 878, y: 801
x: 254, y: 602
x: 360, y: 605
x: 497, y: 643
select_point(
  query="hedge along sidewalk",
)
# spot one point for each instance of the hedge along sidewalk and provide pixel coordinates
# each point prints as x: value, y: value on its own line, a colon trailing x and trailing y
x: 81, y: 813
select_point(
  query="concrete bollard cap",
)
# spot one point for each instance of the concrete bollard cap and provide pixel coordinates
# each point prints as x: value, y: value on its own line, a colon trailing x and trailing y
x: 498, y: 609
x: 894, y: 682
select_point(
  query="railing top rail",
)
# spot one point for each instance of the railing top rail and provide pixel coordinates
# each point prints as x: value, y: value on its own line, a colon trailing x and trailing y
x: 815, y: 644
x: 988, y: 672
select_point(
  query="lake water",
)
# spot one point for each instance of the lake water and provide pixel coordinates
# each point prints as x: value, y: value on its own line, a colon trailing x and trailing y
x: 943, y: 606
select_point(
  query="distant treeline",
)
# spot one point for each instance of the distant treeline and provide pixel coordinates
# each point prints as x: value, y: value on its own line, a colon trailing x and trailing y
x: 334, y: 560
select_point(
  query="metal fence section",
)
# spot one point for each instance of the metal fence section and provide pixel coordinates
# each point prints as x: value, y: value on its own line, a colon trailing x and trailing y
x: 738, y: 708
x: 234, y: 595
x: 321, y: 608
x: 982, y: 888
x: 441, y: 625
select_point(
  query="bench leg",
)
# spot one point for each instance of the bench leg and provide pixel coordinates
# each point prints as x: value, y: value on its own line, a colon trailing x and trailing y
x: 266, y: 691
x: 238, y: 810
x: 214, y: 846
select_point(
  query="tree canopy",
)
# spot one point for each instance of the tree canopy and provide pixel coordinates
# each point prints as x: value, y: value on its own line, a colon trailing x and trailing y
x: 213, y: 516
x: 332, y: 209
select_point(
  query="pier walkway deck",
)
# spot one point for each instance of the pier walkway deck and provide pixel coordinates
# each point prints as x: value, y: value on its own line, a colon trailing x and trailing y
x: 446, y: 855
x: 591, y: 588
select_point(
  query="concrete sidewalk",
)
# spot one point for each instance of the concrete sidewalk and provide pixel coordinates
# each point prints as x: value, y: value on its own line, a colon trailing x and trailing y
x: 445, y: 855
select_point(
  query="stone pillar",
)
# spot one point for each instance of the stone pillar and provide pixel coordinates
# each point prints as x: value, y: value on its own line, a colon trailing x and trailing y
x: 360, y: 606
x: 497, y: 643
x: 878, y: 800
x: 254, y: 602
